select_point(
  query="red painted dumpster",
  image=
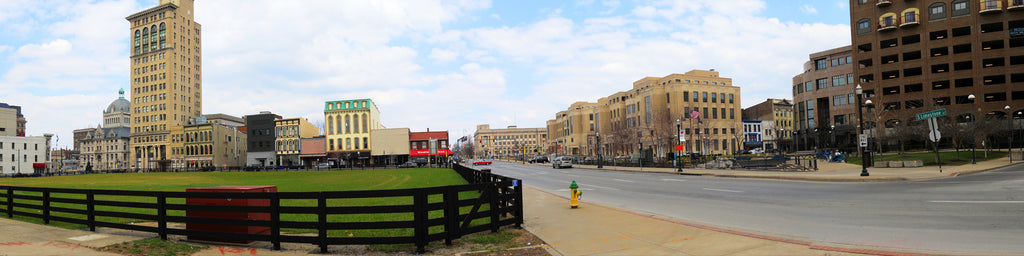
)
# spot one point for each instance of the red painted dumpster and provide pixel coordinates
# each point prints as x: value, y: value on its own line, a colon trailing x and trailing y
x: 229, y: 215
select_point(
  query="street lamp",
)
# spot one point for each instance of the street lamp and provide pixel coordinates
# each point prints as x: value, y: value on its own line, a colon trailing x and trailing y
x: 832, y: 132
x: 860, y: 119
x: 1009, y: 129
x: 679, y: 166
x: 599, y: 150
x: 974, y: 140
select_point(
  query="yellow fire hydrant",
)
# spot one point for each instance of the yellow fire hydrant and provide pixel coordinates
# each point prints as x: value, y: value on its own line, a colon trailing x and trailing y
x: 574, y: 195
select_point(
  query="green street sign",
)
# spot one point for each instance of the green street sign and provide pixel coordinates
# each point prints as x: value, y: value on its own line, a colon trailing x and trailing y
x: 930, y: 114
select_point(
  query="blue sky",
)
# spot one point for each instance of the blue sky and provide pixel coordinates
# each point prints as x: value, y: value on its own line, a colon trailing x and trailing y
x: 443, y: 65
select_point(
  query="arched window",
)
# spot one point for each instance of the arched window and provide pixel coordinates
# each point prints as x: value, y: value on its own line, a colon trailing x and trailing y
x: 152, y: 38
x: 330, y: 125
x: 365, y: 129
x: 960, y: 8
x: 145, y: 40
x: 887, y: 20
x: 138, y: 39
x: 348, y: 124
x: 355, y: 119
x: 365, y: 143
x: 163, y: 35
x: 937, y: 11
x: 337, y: 124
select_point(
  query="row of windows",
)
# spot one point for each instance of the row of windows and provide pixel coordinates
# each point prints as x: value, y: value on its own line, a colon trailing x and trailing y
x: 936, y: 11
x: 24, y: 158
x: 418, y: 145
x: 348, y: 144
x: 288, y: 145
x: 347, y: 104
x: 823, y: 83
x: 714, y: 113
x: 351, y: 124
x: 24, y: 146
x: 946, y: 100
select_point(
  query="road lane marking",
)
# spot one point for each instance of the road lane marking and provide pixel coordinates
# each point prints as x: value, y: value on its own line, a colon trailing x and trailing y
x: 598, y: 186
x: 977, y: 202
x: 724, y: 190
x: 622, y: 180
x: 672, y: 180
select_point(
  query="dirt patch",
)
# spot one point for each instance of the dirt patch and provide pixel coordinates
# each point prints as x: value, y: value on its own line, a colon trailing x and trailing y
x: 153, y: 246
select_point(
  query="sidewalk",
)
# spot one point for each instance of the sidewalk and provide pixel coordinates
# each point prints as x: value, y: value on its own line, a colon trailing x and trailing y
x: 23, y: 238
x: 831, y: 172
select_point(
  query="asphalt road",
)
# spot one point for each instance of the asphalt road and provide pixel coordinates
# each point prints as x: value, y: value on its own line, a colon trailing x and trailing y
x: 982, y: 213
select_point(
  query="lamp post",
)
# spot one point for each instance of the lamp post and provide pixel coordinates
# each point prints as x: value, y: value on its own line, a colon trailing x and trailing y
x: 860, y: 119
x: 599, y: 150
x: 974, y: 140
x: 1009, y: 129
x: 679, y: 166
x: 832, y: 132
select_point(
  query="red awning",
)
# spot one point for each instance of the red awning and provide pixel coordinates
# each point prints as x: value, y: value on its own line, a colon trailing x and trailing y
x: 443, y: 152
x: 38, y: 165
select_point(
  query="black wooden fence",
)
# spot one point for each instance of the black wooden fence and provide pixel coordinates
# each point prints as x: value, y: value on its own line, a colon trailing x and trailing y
x: 503, y: 197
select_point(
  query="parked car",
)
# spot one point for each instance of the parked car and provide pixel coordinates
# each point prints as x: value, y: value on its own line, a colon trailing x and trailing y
x: 539, y: 159
x: 409, y: 164
x: 562, y: 162
x: 420, y: 161
x: 323, y: 166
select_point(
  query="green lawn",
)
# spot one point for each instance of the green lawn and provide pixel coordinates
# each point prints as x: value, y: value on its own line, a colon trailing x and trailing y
x: 928, y: 157
x: 303, y: 181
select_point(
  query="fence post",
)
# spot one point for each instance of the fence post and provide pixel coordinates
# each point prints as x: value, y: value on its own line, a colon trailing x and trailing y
x: 519, y: 203
x: 161, y: 215
x: 10, y: 202
x: 420, y: 217
x: 495, y: 197
x: 322, y: 225
x: 815, y: 163
x: 46, y: 206
x: 90, y: 200
x: 275, y: 220
x: 451, y: 215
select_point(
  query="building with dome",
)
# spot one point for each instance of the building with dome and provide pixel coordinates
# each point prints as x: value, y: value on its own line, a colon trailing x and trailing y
x: 105, y: 148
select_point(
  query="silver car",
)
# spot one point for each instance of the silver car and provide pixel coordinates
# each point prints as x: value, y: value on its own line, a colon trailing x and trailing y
x: 562, y: 162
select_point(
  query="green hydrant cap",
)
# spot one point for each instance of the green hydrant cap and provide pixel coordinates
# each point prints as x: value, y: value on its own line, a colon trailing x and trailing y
x: 573, y: 185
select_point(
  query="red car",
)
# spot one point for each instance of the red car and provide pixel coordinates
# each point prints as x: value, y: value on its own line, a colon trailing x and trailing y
x: 482, y: 162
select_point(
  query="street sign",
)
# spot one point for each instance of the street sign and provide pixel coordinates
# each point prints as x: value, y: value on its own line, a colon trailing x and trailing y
x: 863, y: 140
x: 930, y: 114
x: 934, y: 135
x: 682, y: 135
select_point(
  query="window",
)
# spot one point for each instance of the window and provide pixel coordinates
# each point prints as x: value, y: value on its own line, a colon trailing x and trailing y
x: 992, y: 45
x: 963, y: 65
x: 939, y: 51
x: 714, y: 97
x: 992, y: 97
x: 911, y: 55
x: 838, y: 80
x: 994, y: 80
x: 962, y: 48
x: 961, y: 31
x: 809, y: 86
x: 887, y: 21
x: 822, y: 83
x: 940, y: 68
x: 912, y: 72
x: 963, y: 82
x: 686, y: 96
x: 912, y: 88
x: 821, y: 63
x: 888, y: 43
x: 730, y: 98
x: 940, y: 85
x: 705, y: 94
x: 991, y: 27
x: 891, y: 90
x: 960, y: 8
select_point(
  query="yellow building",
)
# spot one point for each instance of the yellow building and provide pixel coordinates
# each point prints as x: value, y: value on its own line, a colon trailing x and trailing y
x: 706, y: 108
x: 166, y: 78
x: 780, y: 113
x: 288, y: 142
x: 348, y: 126
x: 209, y: 145
x: 510, y: 142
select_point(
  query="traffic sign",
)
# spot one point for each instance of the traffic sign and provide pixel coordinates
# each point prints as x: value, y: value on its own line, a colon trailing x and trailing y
x: 930, y: 114
x: 863, y: 140
x: 934, y: 135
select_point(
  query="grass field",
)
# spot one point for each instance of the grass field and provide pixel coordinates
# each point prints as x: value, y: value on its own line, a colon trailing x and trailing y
x: 928, y: 157
x: 301, y: 181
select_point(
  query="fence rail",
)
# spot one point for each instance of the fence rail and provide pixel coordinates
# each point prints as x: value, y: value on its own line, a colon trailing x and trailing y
x: 501, y: 195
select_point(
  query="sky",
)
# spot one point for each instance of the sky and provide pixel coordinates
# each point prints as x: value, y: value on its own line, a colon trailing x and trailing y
x: 442, y: 65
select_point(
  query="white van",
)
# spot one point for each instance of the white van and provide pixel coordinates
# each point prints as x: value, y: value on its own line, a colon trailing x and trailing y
x: 561, y: 162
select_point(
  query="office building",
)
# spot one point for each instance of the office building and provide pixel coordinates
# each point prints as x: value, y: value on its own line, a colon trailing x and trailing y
x: 24, y: 155
x: 12, y: 121
x: 509, y: 141
x: 913, y: 57
x: 825, y: 103
x: 261, y: 139
x: 166, y: 78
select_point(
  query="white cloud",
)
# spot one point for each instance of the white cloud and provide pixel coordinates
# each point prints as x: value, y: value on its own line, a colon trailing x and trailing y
x: 442, y: 55
x: 808, y: 9
x: 843, y: 5
x: 56, y: 47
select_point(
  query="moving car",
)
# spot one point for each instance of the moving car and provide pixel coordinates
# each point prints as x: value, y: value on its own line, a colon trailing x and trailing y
x: 539, y: 159
x: 562, y: 162
x: 482, y: 162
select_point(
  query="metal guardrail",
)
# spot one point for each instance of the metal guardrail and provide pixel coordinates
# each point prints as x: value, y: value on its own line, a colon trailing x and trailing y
x: 502, y: 195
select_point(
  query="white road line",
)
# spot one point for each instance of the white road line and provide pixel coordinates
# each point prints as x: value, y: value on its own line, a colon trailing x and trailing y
x: 672, y: 180
x: 630, y: 181
x: 596, y: 186
x: 724, y: 190
x: 977, y: 202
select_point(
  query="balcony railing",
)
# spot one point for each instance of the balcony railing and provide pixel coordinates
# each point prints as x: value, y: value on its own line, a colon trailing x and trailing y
x: 910, y: 19
x: 1015, y: 4
x: 886, y: 26
x: 991, y: 6
x: 883, y: 3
